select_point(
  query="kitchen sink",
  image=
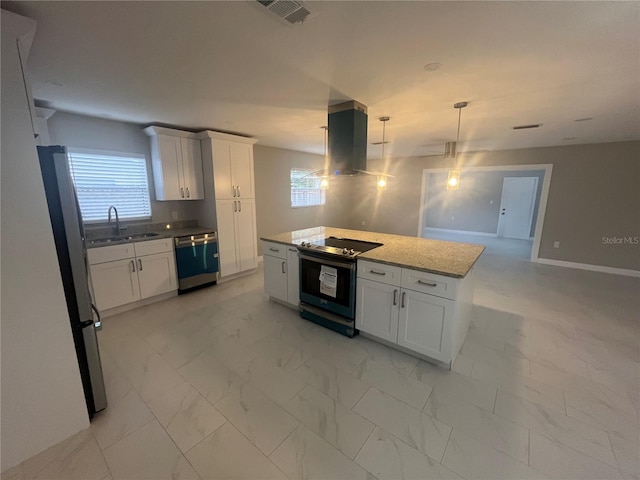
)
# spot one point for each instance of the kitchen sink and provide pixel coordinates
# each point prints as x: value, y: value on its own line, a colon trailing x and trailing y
x: 122, y: 238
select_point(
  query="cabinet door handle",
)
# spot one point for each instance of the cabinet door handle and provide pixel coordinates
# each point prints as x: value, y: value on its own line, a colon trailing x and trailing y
x: 377, y: 273
x: 283, y: 266
x: 235, y: 206
x: 234, y: 190
x: 274, y: 249
x: 428, y: 284
x: 133, y: 266
x: 188, y: 194
x: 293, y: 249
x: 238, y: 190
x: 239, y: 205
x: 404, y: 296
x: 182, y: 192
x: 140, y: 264
x: 395, y: 297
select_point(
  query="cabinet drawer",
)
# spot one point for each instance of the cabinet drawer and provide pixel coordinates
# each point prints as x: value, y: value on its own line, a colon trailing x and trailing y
x: 151, y: 247
x: 110, y: 253
x: 379, y: 272
x: 274, y: 249
x: 430, y: 283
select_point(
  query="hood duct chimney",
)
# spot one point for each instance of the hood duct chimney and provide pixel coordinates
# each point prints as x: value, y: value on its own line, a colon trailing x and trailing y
x: 348, y: 138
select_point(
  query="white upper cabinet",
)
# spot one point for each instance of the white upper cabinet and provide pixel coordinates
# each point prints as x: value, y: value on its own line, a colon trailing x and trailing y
x: 233, y: 169
x: 176, y: 160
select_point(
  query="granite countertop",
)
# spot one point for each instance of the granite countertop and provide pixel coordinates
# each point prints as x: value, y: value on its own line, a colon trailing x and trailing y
x: 178, y: 229
x: 451, y: 259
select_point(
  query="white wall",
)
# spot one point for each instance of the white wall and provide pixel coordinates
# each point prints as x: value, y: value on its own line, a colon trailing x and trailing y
x: 42, y: 399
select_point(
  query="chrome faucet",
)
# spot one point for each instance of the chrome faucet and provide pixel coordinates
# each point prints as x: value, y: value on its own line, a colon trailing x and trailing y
x: 118, y: 227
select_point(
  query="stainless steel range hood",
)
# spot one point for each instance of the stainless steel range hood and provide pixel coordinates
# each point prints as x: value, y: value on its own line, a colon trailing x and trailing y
x: 347, y: 138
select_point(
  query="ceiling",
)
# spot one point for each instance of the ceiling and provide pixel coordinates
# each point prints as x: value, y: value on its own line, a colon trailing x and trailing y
x: 236, y: 67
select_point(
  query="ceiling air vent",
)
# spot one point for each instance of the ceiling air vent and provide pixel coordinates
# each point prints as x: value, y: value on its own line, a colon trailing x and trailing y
x: 524, y: 127
x: 289, y: 10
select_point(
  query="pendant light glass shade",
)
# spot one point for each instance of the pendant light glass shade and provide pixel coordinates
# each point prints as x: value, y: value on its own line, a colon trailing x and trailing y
x: 453, y: 180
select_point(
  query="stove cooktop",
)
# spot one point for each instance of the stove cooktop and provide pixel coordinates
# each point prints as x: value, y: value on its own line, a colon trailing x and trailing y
x: 343, y: 247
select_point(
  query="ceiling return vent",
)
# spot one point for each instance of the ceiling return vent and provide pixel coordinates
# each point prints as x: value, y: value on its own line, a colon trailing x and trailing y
x: 289, y: 10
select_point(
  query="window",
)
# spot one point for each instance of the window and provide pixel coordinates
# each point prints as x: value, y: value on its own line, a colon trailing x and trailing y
x: 305, y: 191
x: 103, y: 179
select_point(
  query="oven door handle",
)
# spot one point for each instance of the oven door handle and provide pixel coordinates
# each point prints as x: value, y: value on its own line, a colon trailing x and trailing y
x: 324, y: 261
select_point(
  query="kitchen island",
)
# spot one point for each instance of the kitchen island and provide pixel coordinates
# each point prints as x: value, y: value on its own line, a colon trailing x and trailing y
x: 414, y: 294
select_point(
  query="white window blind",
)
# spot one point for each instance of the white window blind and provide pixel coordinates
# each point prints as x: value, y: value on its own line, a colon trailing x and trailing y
x: 103, y: 179
x: 305, y: 191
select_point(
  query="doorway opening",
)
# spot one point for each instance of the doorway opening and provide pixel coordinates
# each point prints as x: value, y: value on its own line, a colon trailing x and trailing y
x: 500, y: 206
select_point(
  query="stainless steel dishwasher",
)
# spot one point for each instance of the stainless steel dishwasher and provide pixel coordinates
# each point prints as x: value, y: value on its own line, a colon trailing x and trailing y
x: 197, y: 260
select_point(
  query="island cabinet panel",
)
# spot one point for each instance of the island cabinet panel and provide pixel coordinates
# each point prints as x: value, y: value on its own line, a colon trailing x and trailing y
x: 281, y: 272
x: 418, y: 311
x: 275, y: 277
x: 377, y: 309
x: 425, y: 324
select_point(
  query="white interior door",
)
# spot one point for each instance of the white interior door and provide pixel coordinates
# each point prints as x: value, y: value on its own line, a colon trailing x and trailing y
x: 516, y: 207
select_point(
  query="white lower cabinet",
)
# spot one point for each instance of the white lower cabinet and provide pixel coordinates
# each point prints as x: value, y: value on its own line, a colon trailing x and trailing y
x: 397, y: 309
x: 281, y: 272
x: 115, y: 283
x: 424, y: 324
x: 122, y: 274
x: 236, y: 235
x: 377, y: 309
x: 156, y: 274
x: 275, y: 277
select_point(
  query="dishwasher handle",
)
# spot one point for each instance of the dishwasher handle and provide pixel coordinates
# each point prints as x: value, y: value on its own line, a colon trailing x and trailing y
x: 183, y: 242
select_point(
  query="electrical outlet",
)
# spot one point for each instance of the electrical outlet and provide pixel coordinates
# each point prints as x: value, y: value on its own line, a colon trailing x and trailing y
x: 174, y: 215
x: 556, y: 244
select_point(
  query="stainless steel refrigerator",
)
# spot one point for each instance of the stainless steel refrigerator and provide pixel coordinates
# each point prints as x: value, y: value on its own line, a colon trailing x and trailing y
x: 68, y: 233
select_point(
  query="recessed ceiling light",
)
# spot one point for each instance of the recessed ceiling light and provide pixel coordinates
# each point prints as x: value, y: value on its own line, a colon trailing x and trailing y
x: 432, y: 67
x: 524, y: 127
x: 585, y: 119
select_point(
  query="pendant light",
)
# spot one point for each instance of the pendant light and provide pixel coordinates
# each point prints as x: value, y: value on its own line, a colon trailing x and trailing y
x: 324, y: 181
x: 381, y: 181
x: 453, y: 180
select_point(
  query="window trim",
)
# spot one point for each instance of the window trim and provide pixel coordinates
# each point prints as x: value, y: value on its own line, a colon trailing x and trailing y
x: 322, y: 192
x: 112, y: 153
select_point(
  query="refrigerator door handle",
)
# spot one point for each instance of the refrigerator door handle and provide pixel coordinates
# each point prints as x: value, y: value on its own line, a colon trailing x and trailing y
x: 97, y: 323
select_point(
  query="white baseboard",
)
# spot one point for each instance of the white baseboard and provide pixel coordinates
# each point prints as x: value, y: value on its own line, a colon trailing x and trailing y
x: 139, y: 303
x: 587, y: 266
x: 464, y: 232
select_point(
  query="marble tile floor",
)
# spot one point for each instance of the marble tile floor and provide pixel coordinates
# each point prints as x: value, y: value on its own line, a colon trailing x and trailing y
x: 224, y: 384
